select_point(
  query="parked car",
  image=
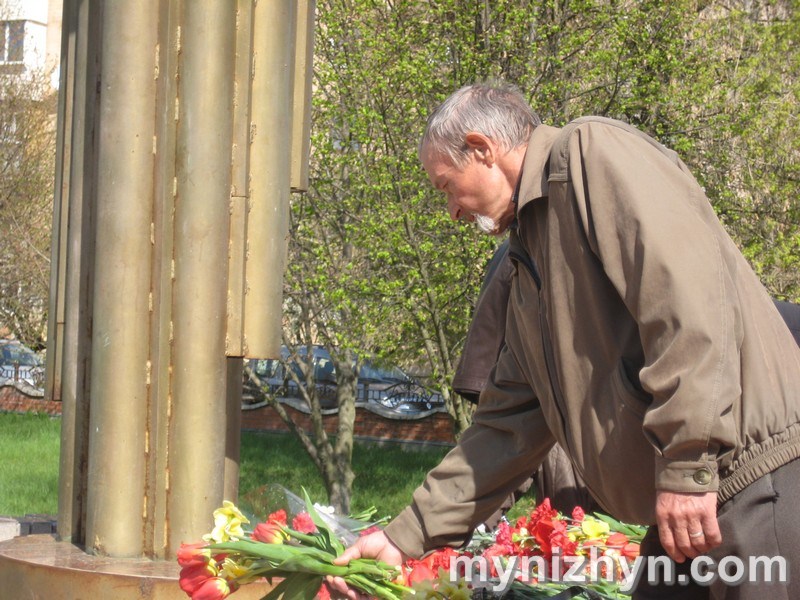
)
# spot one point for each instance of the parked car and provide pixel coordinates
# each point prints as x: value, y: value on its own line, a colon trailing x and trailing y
x: 389, y: 386
x: 20, y: 363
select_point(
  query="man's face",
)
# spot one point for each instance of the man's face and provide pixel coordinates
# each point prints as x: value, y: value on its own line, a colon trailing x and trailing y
x: 478, y: 192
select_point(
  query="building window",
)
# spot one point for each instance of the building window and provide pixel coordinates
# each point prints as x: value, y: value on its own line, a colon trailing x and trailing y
x: 12, y: 41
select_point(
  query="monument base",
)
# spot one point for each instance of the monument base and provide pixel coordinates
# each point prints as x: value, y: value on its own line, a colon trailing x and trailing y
x: 38, y: 566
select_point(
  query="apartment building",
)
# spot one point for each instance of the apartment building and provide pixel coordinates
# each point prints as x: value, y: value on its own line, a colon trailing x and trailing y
x: 30, y: 36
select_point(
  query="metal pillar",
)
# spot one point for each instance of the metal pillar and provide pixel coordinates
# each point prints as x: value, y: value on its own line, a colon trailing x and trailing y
x: 270, y: 160
x: 170, y: 227
x: 69, y: 327
x: 201, y: 256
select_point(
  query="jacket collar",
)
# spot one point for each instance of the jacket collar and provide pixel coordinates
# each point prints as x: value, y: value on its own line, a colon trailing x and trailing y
x: 533, y: 181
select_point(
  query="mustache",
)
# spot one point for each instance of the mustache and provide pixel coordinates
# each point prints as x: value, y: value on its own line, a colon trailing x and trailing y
x: 485, y: 224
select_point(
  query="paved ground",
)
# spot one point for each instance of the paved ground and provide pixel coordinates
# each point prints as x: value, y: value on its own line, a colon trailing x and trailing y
x: 11, y: 527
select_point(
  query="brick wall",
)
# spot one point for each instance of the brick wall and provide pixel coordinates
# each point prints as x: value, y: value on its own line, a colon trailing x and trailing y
x: 435, y: 428
x: 24, y: 399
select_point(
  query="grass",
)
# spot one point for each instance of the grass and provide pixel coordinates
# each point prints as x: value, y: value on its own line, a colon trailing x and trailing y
x: 385, y: 475
x: 29, y: 445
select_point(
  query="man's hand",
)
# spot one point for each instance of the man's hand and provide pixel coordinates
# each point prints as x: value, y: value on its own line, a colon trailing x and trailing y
x: 375, y: 545
x: 687, y: 523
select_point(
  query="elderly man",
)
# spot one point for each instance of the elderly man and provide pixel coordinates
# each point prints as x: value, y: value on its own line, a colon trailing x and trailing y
x: 637, y: 337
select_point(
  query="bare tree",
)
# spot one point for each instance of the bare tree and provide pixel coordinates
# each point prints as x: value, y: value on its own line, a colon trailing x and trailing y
x: 27, y: 153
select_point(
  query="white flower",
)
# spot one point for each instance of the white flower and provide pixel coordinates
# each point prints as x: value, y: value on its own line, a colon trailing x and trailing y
x: 328, y: 510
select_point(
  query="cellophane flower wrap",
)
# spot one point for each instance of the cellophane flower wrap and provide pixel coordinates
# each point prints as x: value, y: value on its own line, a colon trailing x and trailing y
x: 295, y: 557
x: 541, y: 555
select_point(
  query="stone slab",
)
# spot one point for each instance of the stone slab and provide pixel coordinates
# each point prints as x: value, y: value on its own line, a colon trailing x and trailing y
x: 9, y: 528
x: 39, y: 566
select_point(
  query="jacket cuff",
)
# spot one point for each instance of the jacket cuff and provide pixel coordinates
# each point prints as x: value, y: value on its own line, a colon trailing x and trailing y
x: 405, y: 532
x: 686, y: 476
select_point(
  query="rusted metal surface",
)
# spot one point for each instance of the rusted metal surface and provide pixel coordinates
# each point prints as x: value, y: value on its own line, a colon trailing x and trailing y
x: 120, y: 347
x: 69, y: 347
x: 37, y: 566
x: 270, y: 170
x: 203, y: 177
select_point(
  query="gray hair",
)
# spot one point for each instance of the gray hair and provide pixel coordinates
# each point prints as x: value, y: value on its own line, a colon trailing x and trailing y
x: 498, y: 111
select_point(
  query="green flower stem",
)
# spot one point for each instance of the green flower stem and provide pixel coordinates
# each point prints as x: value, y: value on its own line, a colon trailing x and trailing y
x: 372, y: 567
x: 314, y: 540
x: 384, y: 590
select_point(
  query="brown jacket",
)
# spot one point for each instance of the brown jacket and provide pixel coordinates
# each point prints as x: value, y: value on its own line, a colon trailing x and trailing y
x: 637, y: 337
x: 556, y: 478
x: 486, y: 333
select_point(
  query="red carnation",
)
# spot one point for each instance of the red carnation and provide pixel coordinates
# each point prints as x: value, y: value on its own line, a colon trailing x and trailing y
x: 578, y: 514
x: 304, y: 523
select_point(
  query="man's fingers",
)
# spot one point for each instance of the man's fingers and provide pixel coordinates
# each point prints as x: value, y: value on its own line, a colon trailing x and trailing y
x: 711, y: 533
x: 687, y: 523
x: 337, y: 584
x: 669, y: 543
x: 349, y: 554
x: 340, y: 589
x: 375, y: 545
x: 704, y: 536
x: 687, y: 544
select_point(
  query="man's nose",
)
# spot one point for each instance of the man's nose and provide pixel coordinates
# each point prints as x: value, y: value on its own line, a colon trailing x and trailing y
x: 453, y: 209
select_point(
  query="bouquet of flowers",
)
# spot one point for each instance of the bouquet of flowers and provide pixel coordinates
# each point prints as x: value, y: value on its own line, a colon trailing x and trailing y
x: 299, y: 557
x: 542, y: 555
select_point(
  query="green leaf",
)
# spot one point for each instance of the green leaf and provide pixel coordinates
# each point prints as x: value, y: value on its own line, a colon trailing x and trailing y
x: 296, y: 587
x: 331, y: 542
x: 635, y: 532
x: 275, y: 553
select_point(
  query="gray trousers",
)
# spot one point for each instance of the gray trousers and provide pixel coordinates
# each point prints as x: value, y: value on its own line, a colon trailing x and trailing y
x: 760, y: 529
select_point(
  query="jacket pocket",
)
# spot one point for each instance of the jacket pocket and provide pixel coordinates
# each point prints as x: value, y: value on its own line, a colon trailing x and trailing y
x: 631, y: 397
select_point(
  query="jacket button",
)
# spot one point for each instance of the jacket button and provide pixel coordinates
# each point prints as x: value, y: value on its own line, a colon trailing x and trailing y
x: 702, y: 476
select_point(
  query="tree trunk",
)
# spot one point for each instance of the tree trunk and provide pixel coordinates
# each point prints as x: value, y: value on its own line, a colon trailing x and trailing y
x: 347, y: 390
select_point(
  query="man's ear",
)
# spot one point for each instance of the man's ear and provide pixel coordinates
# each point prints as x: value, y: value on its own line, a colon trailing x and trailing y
x: 485, y: 149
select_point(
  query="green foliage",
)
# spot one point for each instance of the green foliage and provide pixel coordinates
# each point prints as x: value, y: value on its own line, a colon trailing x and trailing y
x: 716, y: 84
x: 752, y: 155
x: 376, y: 266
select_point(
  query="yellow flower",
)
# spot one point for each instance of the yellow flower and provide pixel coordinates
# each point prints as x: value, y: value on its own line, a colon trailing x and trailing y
x: 573, y: 535
x: 241, y: 572
x: 228, y: 522
x: 594, y: 528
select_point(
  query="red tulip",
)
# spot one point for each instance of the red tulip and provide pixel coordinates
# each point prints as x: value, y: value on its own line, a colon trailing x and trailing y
x: 215, y: 588
x: 630, y: 550
x: 617, y: 540
x: 192, y: 577
x: 421, y: 572
x: 193, y: 554
x: 269, y: 533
